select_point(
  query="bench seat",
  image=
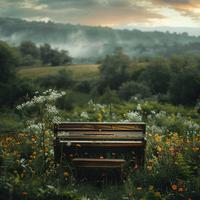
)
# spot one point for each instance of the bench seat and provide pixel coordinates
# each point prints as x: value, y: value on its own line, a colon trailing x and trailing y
x: 98, y: 163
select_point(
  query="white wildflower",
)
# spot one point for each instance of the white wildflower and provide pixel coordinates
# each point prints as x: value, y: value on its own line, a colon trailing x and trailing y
x: 138, y: 107
x: 133, y: 116
x: 84, y: 115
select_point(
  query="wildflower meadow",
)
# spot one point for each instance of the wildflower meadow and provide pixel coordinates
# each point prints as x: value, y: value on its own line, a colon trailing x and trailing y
x: 172, y: 158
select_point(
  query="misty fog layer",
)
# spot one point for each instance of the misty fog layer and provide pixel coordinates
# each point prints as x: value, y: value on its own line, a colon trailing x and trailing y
x: 95, y: 42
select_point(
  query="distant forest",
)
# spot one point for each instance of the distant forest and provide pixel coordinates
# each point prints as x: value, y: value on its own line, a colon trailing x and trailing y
x: 89, y: 44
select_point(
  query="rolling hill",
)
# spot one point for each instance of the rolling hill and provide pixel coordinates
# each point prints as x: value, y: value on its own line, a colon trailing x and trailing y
x: 88, y: 44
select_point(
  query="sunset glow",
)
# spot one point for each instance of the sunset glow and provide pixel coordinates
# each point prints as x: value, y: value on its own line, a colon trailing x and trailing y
x: 111, y: 13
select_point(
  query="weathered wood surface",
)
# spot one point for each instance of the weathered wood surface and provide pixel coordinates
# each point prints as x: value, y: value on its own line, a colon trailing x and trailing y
x: 98, y: 163
x: 87, y: 140
x: 92, y: 126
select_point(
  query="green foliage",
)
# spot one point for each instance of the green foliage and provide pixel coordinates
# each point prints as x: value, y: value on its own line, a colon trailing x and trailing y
x: 29, y: 48
x: 54, y: 57
x: 156, y: 76
x: 66, y: 102
x: 9, y: 122
x: 11, y: 88
x: 114, y: 69
x: 45, y: 51
x: 15, y: 91
x: 185, y: 86
x: 8, y: 62
x: 131, y: 88
x: 62, y: 80
x: 83, y: 86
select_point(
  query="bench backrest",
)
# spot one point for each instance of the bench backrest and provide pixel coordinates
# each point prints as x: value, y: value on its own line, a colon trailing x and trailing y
x: 94, y: 131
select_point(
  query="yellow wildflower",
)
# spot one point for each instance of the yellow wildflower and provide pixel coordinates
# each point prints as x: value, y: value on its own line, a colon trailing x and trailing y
x: 66, y: 174
x: 151, y: 187
x: 159, y: 149
x: 158, y: 138
x: 157, y: 194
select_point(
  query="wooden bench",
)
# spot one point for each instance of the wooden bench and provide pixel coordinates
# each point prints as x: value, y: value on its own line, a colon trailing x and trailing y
x: 93, y: 145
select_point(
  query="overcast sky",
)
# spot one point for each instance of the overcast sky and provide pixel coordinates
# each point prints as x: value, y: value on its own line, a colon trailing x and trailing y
x: 113, y: 13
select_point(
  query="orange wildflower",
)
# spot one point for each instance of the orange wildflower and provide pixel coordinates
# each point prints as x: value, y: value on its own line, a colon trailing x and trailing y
x: 174, y: 187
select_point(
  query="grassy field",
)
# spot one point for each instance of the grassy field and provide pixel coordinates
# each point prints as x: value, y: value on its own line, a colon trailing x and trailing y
x: 79, y: 72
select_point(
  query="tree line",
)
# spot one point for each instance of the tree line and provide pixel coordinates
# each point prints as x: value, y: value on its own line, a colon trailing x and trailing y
x: 171, y: 80
x: 30, y: 54
x: 175, y: 80
x: 44, y: 54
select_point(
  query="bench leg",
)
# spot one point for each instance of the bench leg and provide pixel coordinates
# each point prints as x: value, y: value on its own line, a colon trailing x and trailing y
x: 140, y: 154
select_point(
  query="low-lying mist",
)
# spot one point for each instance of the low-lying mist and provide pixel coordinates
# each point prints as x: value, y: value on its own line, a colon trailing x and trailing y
x: 93, y: 43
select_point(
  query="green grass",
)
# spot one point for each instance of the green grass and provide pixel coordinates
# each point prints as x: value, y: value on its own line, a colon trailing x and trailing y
x: 79, y: 72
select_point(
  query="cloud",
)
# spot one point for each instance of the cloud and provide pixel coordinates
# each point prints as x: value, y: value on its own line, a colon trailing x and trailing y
x: 99, y: 12
x: 189, y: 8
x: 90, y: 12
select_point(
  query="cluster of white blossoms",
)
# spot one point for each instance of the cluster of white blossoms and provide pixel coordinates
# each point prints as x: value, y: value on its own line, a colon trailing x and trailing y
x: 96, y: 106
x: 35, y: 128
x: 160, y: 115
x: 46, y: 97
x: 191, y: 125
x: 48, y: 111
x: 84, y: 115
x: 51, y: 109
x: 133, y: 116
x: 154, y: 129
x: 138, y: 108
x: 56, y: 119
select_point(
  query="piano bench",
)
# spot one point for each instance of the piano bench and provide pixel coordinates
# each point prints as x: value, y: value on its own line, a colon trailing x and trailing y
x: 96, y: 146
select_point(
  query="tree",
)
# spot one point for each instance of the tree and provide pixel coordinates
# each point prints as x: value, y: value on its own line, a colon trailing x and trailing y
x: 29, y: 48
x: 9, y: 59
x: 110, y: 97
x: 185, y: 86
x: 45, y: 53
x: 114, y: 69
x: 11, y: 87
x: 157, y: 76
x: 54, y: 57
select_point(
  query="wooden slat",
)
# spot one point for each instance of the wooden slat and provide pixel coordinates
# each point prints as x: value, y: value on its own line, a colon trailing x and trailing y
x: 98, y: 163
x: 96, y: 143
x: 99, y: 126
x: 100, y: 135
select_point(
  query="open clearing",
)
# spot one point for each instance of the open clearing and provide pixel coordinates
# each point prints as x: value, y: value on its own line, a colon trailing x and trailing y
x: 79, y: 72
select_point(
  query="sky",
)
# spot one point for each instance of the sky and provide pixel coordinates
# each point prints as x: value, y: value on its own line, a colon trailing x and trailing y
x: 111, y: 13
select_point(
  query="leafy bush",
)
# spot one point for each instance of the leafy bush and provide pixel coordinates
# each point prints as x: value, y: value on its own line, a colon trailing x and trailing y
x: 132, y: 88
x: 83, y: 86
x: 62, y: 80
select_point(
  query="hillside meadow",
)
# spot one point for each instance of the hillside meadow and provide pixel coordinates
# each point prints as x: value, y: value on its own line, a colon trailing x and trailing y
x: 79, y: 72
